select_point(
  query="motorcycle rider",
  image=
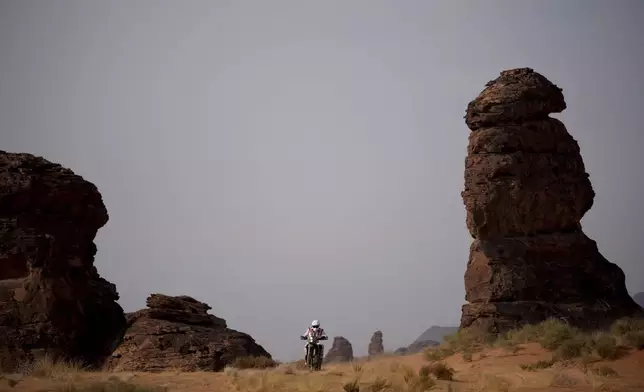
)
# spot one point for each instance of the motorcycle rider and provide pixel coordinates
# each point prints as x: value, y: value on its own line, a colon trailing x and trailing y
x: 316, y: 331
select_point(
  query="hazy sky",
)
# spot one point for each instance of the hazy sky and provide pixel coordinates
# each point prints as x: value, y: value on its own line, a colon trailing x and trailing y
x: 291, y: 160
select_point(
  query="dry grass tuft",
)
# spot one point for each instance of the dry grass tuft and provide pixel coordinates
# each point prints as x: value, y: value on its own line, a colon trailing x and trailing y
x: 112, y: 385
x: 605, y: 371
x: 441, y: 371
x: 538, y: 365
x: 561, y: 380
x: 251, y: 362
x: 47, y: 367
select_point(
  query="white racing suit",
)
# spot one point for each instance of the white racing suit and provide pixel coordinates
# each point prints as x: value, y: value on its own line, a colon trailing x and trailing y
x: 317, y: 332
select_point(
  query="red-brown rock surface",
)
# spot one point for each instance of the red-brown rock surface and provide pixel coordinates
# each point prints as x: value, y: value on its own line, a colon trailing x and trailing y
x: 340, y: 351
x: 526, y: 190
x: 52, y: 299
x: 178, y: 333
x: 376, y: 346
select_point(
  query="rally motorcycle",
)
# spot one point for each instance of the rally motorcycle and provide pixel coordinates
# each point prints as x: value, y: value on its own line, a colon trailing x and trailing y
x: 313, y: 357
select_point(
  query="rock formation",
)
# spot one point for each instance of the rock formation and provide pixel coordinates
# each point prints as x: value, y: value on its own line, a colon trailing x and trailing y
x: 341, y: 351
x: 375, y: 345
x: 52, y: 299
x: 526, y: 190
x: 178, y: 333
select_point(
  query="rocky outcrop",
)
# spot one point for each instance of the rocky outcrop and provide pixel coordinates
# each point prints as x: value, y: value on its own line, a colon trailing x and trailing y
x: 375, y: 345
x: 178, y: 333
x: 526, y: 190
x: 52, y: 299
x: 341, y: 351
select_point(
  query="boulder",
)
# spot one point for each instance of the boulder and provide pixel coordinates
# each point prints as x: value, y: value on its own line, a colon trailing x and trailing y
x: 52, y: 299
x: 375, y: 345
x: 526, y: 191
x: 178, y: 333
x: 341, y: 351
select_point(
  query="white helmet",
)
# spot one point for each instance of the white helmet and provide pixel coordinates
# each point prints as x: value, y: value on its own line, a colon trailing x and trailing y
x: 315, y: 324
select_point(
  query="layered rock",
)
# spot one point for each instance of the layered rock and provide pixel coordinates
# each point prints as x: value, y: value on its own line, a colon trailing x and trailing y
x: 178, y: 333
x: 375, y: 345
x: 526, y: 191
x: 52, y: 299
x: 341, y: 351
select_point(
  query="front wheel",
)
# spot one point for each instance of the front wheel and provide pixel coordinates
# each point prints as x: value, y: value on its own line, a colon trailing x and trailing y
x: 312, y: 357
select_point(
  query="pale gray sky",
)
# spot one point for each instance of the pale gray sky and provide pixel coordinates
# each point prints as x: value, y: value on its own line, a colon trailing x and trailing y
x: 291, y: 160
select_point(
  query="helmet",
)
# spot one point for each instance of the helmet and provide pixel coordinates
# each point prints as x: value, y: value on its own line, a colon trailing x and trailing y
x: 315, y: 324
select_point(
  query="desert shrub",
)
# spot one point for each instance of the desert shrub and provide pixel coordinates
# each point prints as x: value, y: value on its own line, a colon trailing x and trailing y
x: 288, y: 370
x: 379, y: 384
x: 252, y: 362
x: 47, y: 367
x: 469, y: 340
x: 439, y: 353
x: 357, y: 369
x: 625, y: 325
x: 605, y: 371
x: 554, y: 333
x: 634, y: 339
x: 351, y: 386
x: 300, y: 364
x: 561, y: 380
x: 441, y: 371
x: 629, y: 332
x: 537, y: 365
x: 572, y: 348
x: 417, y: 382
x: 527, y: 334
x: 605, y: 346
x: 111, y: 385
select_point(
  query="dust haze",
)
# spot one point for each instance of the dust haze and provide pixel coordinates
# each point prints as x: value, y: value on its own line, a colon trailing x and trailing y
x: 286, y: 161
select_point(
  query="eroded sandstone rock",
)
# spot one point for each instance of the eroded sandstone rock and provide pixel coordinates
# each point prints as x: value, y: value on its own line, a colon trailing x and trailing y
x: 526, y: 191
x: 375, y: 345
x: 341, y: 351
x: 52, y: 299
x: 178, y: 333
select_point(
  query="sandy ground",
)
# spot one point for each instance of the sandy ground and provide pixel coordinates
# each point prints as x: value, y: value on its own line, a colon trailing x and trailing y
x: 492, y: 370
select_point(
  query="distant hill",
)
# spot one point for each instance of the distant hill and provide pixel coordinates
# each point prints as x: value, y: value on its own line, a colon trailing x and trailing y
x: 432, y: 337
x: 436, y: 334
x: 639, y: 298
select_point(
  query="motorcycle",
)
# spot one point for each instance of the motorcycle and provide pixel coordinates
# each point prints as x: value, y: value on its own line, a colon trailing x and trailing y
x: 313, y: 351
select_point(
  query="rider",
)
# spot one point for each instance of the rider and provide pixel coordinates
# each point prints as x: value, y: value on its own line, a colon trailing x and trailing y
x: 316, y: 331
